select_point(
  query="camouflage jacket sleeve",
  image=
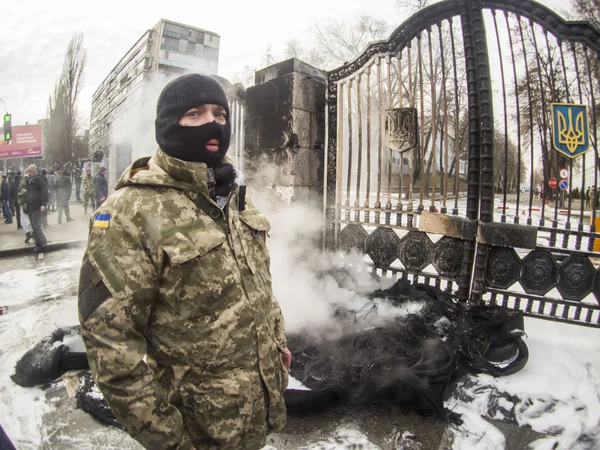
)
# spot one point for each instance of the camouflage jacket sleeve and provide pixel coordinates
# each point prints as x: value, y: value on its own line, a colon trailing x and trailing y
x: 117, y: 289
x: 278, y: 324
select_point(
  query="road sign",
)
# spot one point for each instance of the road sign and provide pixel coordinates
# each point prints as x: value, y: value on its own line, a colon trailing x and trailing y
x: 564, y: 184
x: 552, y: 183
x: 564, y: 173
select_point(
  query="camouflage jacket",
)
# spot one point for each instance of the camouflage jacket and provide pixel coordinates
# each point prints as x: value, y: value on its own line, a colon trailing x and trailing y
x: 182, y: 331
x: 88, y: 184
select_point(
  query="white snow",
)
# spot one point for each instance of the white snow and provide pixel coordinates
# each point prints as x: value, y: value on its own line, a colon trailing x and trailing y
x: 558, y: 391
x: 344, y: 438
x: 295, y: 384
x: 556, y: 394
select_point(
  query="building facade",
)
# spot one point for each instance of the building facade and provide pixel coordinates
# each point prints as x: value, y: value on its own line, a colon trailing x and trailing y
x: 124, y: 105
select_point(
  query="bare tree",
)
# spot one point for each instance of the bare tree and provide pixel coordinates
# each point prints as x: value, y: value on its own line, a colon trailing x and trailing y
x: 339, y: 41
x: 412, y: 6
x: 62, y: 105
x: 588, y: 10
x: 268, y: 58
x: 506, y: 164
x: 310, y: 55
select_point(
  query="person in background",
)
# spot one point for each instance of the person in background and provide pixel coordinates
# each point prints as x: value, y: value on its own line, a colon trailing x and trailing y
x: 88, y: 191
x: 36, y: 201
x: 51, y: 193
x: 63, y: 194
x: 100, y: 186
x: 77, y: 173
x: 184, y: 336
x: 22, y: 193
x: 51, y: 179
x: 11, y: 204
x: 5, y: 197
x: 14, y: 192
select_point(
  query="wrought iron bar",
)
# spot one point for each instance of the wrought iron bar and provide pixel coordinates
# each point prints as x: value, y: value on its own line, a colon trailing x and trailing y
x: 445, y: 132
x: 349, y: 184
x: 340, y: 146
x: 580, y: 224
x: 594, y: 144
x: 503, y: 217
x: 568, y: 223
x: 457, y: 149
x: 399, y: 205
x: 360, y: 145
x: 334, y: 146
x: 514, y: 67
x: 422, y: 132
x: 411, y: 101
x: 432, y: 123
x: 545, y: 149
x: 368, y: 194
x: 379, y: 140
x: 473, y: 193
x: 486, y: 136
x: 531, y: 131
x: 550, y: 149
x: 388, y: 204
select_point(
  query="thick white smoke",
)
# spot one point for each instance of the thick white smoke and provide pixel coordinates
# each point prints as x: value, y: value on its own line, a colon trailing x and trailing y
x: 311, y: 284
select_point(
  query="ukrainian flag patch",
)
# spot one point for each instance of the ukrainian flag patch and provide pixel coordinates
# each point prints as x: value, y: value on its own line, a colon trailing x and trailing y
x: 101, y: 221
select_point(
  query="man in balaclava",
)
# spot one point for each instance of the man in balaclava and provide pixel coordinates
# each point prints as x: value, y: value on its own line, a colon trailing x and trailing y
x: 183, y: 334
x: 193, y: 125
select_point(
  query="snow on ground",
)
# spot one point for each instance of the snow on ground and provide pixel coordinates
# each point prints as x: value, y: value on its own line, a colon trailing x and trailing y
x: 40, y: 299
x: 556, y: 394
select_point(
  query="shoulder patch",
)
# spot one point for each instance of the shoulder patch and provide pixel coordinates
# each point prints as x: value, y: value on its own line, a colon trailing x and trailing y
x: 101, y: 221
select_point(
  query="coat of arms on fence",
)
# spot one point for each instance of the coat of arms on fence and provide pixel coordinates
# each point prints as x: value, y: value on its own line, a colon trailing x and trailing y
x: 401, y: 129
x: 570, y: 129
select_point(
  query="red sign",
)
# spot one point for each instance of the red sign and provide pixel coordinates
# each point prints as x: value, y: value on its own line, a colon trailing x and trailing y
x: 552, y: 183
x: 26, y: 142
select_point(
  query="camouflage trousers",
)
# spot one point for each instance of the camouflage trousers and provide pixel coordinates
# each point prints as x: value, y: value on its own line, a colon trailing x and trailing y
x: 217, y: 416
x: 88, y: 197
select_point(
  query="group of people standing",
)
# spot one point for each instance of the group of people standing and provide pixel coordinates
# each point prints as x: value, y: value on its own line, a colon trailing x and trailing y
x: 40, y: 192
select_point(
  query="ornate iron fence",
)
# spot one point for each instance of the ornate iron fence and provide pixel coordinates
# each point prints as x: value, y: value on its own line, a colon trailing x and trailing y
x: 435, y: 138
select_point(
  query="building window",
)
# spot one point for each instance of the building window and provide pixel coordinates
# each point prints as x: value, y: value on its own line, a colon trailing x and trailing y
x: 171, y: 34
x: 191, y: 47
x: 171, y: 41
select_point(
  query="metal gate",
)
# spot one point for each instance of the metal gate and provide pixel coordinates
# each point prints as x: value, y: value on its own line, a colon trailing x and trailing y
x: 440, y: 151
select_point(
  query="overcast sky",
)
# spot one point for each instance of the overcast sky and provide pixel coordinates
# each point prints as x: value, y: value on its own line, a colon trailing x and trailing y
x: 35, y: 35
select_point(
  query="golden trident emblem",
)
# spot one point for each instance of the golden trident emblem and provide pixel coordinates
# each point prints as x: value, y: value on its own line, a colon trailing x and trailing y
x: 571, y: 134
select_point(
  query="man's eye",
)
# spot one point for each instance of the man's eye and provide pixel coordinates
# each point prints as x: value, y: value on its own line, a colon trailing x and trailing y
x: 192, y: 114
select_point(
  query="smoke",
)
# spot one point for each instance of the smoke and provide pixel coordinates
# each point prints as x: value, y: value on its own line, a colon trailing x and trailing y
x: 311, y: 285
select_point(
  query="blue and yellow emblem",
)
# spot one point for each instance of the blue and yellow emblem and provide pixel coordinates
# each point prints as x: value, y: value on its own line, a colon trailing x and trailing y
x: 570, y: 129
x: 101, y: 221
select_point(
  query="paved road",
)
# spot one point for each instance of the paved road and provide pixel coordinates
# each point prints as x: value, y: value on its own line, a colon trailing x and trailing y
x: 12, y: 238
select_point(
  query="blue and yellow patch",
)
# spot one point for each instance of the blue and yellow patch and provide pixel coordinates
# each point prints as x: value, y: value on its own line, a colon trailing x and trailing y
x: 101, y: 221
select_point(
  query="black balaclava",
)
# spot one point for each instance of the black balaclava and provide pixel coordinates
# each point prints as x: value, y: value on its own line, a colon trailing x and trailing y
x: 189, y: 143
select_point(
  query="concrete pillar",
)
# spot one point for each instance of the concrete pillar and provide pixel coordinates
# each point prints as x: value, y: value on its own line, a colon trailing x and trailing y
x: 285, y: 125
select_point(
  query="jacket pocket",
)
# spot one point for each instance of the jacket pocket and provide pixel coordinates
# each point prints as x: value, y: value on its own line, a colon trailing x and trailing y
x: 192, y: 279
x: 254, y: 230
x: 220, y: 407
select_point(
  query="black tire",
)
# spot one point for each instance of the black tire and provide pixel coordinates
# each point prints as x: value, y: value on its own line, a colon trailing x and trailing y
x: 498, y: 360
